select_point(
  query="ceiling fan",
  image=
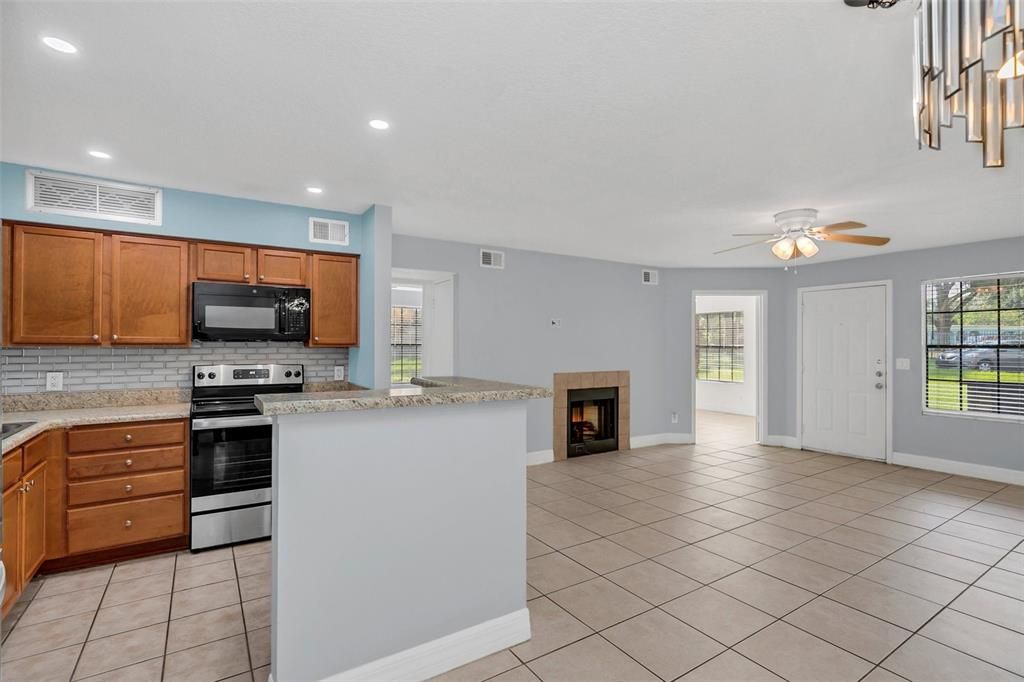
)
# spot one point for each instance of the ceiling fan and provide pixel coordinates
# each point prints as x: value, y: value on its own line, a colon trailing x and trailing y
x: 796, y: 234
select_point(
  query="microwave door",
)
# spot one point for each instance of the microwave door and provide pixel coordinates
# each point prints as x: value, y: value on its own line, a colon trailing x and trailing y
x: 226, y: 318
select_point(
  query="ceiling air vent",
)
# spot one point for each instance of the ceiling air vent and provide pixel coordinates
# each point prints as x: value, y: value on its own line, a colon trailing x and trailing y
x: 649, y: 277
x: 327, y: 231
x: 492, y: 259
x: 90, y: 198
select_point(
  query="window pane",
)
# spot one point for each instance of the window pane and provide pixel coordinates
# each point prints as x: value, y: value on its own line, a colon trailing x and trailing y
x: 980, y: 294
x: 719, y: 346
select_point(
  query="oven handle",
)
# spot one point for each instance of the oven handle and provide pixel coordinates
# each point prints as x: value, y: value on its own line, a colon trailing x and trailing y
x: 230, y: 423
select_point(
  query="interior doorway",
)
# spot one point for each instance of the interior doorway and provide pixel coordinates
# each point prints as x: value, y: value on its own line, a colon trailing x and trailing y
x: 727, y: 367
x: 422, y: 324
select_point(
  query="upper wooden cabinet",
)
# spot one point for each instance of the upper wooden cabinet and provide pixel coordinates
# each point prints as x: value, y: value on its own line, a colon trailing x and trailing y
x: 274, y: 266
x: 57, y: 286
x: 335, y: 305
x: 148, y: 290
x: 225, y: 263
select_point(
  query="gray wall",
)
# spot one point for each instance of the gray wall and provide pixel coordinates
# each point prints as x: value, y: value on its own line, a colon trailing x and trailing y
x: 611, y: 321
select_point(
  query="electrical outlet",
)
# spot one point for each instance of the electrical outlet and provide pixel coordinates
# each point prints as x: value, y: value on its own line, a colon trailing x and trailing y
x: 556, y: 322
x: 675, y: 417
x: 55, y: 381
x: 339, y: 372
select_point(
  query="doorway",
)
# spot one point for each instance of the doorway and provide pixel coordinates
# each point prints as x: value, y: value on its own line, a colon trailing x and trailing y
x: 844, y: 399
x: 422, y: 324
x: 728, y: 367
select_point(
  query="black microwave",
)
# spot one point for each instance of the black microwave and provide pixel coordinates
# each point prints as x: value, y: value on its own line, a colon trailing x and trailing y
x: 242, y: 312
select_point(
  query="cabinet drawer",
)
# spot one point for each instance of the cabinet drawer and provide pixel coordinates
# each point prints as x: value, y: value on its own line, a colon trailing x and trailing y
x: 12, y: 467
x: 125, y: 462
x: 126, y: 436
x: 126, y: 487
x: 125, y: 523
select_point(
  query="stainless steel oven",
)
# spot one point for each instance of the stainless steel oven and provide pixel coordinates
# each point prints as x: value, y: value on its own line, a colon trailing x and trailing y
x: 241, y: 312
x: 231, y: 461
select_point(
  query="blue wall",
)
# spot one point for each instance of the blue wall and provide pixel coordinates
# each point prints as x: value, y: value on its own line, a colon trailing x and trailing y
x: 198, y: 215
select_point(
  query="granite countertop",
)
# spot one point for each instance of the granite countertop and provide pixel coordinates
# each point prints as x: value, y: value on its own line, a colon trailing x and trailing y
x: 58, y: 419
x: 429, y: 391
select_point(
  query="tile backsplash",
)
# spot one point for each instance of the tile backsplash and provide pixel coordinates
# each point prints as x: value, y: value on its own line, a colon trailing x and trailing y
x: 91, y: 369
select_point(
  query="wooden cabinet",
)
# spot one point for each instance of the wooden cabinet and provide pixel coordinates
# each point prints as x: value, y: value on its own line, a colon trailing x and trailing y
x: 148, y: 290
x: 56, y: 282
x: 274, y: 266
x: 225, y: 263
x: 124, y: 523
x: 137, y: 435
x: 12, y: 545
x: 33, y: 544
x: 24, y: 525
x: 335, y: 305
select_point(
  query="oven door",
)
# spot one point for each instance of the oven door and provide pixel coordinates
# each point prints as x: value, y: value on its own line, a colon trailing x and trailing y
x: 231, y: 462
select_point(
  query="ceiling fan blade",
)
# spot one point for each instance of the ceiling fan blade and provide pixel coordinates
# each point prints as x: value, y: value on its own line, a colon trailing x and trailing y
x: 834, y: 227
x: 856, y: 239
x: 753, y: 234
x: 741, y: 246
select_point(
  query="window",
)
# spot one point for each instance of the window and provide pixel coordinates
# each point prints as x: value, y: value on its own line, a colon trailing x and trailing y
x: 720, y: 346
x: 406, y: 342
x: 974, y: 345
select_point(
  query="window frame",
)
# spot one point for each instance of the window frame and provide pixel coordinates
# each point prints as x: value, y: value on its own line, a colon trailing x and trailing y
x: 418, y: 324
x: 958, y: 414
x: 732, y: 364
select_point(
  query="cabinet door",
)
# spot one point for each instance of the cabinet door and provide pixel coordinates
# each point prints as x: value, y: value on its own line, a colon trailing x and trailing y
x: 335, y: 293
x: 225, y: 263
x: 12, y: 544
x: 281, y: 267
x: 56, y: 282
x: 148, y: 290
x: 33, y: 543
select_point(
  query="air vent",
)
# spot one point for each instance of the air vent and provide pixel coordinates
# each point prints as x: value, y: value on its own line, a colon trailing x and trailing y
x: 492, y: 259
x: 649, y: 277
x: 327, y: 231
x: 91, y: 198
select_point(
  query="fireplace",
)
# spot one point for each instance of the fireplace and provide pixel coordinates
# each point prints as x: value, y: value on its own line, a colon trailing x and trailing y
x: 592, y: 421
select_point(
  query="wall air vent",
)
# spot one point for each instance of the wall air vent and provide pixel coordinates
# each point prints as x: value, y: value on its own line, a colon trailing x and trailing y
x: 326, y: 231
x: 91, y: 198
x: 649, y: 277
x: 492, y: 259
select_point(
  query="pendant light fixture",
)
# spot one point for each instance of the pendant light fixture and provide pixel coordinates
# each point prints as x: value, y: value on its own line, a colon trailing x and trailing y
x: 783, y: 249
x: 806, y: 246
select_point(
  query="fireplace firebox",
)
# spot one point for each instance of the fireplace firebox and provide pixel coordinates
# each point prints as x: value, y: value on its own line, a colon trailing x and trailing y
x: 592, y: 420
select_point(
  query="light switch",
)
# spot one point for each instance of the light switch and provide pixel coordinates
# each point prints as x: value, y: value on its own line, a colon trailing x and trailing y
x: 902, y: 363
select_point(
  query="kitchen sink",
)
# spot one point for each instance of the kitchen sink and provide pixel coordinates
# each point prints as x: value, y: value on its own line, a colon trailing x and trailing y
x: 11, y: 428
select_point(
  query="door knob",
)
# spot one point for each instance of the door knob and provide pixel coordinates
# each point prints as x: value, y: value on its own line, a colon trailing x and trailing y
x: 879, y: 385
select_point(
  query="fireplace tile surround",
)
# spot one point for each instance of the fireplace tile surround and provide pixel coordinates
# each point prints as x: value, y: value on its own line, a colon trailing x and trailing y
x: 567, y: 381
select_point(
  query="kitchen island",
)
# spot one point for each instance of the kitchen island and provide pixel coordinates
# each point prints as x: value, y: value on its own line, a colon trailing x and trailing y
x: 399, y: 521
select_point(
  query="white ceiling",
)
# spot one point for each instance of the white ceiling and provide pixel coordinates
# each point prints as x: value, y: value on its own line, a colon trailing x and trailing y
x: 641, y: 132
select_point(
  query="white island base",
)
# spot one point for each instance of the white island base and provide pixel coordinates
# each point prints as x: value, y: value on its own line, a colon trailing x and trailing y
x: 399, y: 540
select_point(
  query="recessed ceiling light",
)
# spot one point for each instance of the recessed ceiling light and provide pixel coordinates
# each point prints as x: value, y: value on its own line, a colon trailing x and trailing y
x: 59, y: 44
x: 96, y: 153
x: 315, y: 190
x: 378, y: 124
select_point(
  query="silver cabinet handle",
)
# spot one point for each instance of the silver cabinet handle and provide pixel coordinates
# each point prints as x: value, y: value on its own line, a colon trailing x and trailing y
x: 246, y: 275
x: 262, y: 277
x: 95, y: 337
x: 127, y: 462
x: 114, y: 337
x: 128, y: 523
x: 316, y: 338
x: 128, y: 488
x: 230, y: 422
x: 128, y: 437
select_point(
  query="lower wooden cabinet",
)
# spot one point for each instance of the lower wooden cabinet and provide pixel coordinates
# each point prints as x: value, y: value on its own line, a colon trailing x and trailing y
x: 125, y: 523
x: 24, y: 527
x: 13, y: 529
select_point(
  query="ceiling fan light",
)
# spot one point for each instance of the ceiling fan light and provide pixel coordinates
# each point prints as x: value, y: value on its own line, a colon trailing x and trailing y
x: 806, y: 245
x: 783, y: 249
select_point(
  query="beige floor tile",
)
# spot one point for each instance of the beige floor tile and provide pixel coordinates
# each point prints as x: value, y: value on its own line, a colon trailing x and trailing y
x: 147, y: 671
x: 662, y: 644
x: 141, y: 568
x: 553, y: 572
x: 605, y: 522
x: 749, y: 508
x: 1014, y: 561
x: 208, y: 626
x: 996, y: 645
x: 263, y: 674
x: 930, y: 560
x: 884, y: 602
x: 737, y: 548
x: 646, y: 541
x: 993, y: 521
x: 849, y: 629
x: 481, y: 669
x: 29, y: 640
x: 699, y: 564
x: 189, y: 559
x: 259, y: 647
x: 808, y: 525
x: 61, y: 606
x: 599, y: 603
x: 531, y: 593
x: 551, y: 627
x: 204, y: 574
x: 923, y: 659
x: 887, y: 528
x: 801, y: 572
x: 209, y: 662
x: 257, y: 613
x: 205, y: 598
x: 730, y: 667
x: 593, y: 659
x: 991, y: 606
x: 872, y: 543
x: 117, y: 651
x: 795, y: 655
x: 685, y: 529
x: 131, y: 616
x: 520, y: 674
x: 642, y: 512
x: 242, y: 677
x: 881, y: 675
x: 826, y: 512
x: 837, y: 556
x: 717, y: 614
x: 562, y: 534
x: 986, y: 536
x: 653, y: 582
x: 723, y: 519
x: 706, y: 495
x: 910, y: 517
x: 139, y: 588
x: 763, y: 591
x: 535, y: 547
x: 914, y: 581
x: 669, y: 485
x: 251, y: 564
x: 772, y: 535
x: 537, y: 517
x: 607, y: 499
x: 250, y: 548
x: 602, y: 556
x: 62, y: 583
x: 1004, y: 582
x: 254, y: 586
x: 570, y: 507
x: 677, y: 504
x: 776, y: 499
x: 53, y: 665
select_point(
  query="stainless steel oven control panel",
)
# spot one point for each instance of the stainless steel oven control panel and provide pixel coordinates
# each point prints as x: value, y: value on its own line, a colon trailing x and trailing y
x: 246, y: 375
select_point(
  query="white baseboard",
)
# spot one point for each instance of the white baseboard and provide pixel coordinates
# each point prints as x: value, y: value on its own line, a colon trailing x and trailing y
x: 446, y: 653
x: 660, y: 439
x: 951, y: 466
x: 540, y: 457
x: 781, y: 441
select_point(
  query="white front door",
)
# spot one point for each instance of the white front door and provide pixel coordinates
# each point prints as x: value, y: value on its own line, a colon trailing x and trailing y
x: 843, y: 347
